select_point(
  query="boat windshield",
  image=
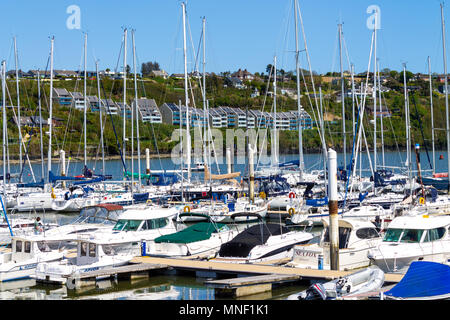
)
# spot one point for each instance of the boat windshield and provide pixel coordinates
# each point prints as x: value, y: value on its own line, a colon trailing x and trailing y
x: 403, y: 235
x: 97, y: 215
x: 127, y: 225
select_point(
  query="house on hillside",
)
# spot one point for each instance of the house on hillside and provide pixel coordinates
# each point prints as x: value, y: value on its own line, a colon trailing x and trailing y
x: 243, y: 75
x: 62, y: 96
x: 148, y: 110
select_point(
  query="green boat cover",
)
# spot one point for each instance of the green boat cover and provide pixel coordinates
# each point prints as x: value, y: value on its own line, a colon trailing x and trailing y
x: 197, y: 232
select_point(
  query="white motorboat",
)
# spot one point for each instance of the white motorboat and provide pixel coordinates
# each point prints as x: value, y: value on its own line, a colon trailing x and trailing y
x: 26, y: 253
x: 262, y: 242
x: 92, y: 255
x: 237, y: 211
x: 413, y: 238
x: 356, y: 238
x: 90, y: 219
x: 107, y: 248
x: 202, y: 239
x: 75, y: 201
x: 20, y: 226
x: 353, y: 286
x: 373, y: 213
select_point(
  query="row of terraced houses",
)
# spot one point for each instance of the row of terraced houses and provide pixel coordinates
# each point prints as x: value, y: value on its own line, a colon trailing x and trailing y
x: 173, y: 114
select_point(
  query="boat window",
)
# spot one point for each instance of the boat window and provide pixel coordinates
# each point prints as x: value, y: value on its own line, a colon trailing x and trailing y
x: 156, y: 223
x: 18, y: 246
x: 43, y: 246
x: 367, y: 233
x: 344, y: 236
x: 83, y: 249
x: 27, y: 247
x: 434, y: 234
x: 92, y: 249
x: 127, y: 225
x: 392, y: 235
x: 412, y: 235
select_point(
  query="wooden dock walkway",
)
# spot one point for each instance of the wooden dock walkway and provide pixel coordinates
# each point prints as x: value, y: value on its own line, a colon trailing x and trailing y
x: 244, y: 268
x: 236, y: 279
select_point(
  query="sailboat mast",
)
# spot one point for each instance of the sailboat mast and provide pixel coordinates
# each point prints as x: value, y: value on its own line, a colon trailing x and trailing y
x: 50, y: 125
x: 446, y: 91
x: 299, y: 107
x: 432, y: 114
x: 124, y: 135
x: 101, y: 118
x: 85, y: 101
x: 275, y: 136
x: 3, y: 126
x: 375, y: 95
x: 18, y: 106
x: 188, y: 135
x: 342, y: 97
x: 205, y: 128
x: 137, y: 111
x: 40, y: 124
x: 408, y: 137
x: 381, y: 114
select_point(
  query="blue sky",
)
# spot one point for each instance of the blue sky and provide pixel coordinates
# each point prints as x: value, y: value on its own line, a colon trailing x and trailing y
x: 242, y: 34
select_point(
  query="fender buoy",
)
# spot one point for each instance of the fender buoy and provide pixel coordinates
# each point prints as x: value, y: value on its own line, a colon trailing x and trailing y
x: 422, y: 200
x: 291, y: 195
x: 187, y: 209
x: 291, y: 211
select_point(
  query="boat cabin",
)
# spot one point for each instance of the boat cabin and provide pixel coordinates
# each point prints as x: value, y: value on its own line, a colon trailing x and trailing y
x: 25, y: 248
x: 351, y: 231
x: 417, y: 229
x: 145, y: 219
x: 89, y: 252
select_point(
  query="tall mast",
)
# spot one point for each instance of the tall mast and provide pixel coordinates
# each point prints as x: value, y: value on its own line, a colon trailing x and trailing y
x: 408, y: 137
x: 85, y: 101
x: 446, y: 91
x: 342, y: 97
x: 275, y: 137
x: 188, y: 134
x: 124, y: 135
x: 353, y: 100
x: 205, y: 129
x: 375, y: 95
x: 3, y: 126
x: 50, y: 125
x: 40, y: 125
x: 101, y: 118
x: 299, y: 107
x: 381, y: 116
x: 432, y: 116
x: 137, y: 111
x: 18, y: 106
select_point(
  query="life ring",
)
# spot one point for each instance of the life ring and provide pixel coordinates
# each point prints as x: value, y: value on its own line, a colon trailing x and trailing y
x: 422, y: 200
x: 149, y: 201
x: 262, y: 195
x: 291, y: 211
x: 187, y: 209
x: 291, y: 195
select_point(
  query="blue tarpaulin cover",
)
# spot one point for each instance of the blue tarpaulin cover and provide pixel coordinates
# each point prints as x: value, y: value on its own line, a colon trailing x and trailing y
x: 424, y: 279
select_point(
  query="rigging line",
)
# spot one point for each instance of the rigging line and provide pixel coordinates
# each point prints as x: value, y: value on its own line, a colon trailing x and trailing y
x: 114, y: 128
x: 20, y: 141
x: 421, y: 131
x: 363, y: 103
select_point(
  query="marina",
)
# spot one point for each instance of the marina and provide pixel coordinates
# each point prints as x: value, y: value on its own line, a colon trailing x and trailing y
x: 139, y: 185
